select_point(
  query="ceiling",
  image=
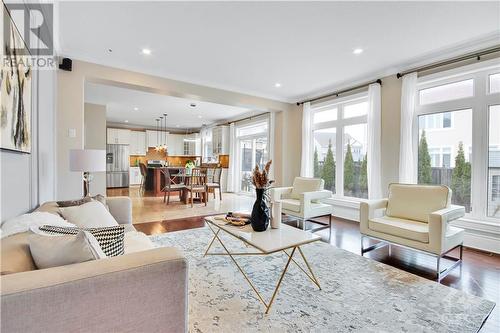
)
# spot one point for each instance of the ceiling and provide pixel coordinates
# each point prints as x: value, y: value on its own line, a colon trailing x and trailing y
x: 250, y: 46
x: 137, y: 108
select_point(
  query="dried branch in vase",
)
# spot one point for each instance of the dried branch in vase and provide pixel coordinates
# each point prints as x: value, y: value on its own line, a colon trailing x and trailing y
x: 260, y: 178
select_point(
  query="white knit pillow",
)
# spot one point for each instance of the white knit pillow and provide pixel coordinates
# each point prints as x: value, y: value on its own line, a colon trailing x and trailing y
x: 53, y: 251
x: 89, y: 215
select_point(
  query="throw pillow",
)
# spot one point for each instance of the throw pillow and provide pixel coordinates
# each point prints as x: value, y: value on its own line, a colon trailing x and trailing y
x: 53, y: 251
x: 71, y: 203
x: 89, y: 215
x: 24, y: 222
x: 110, y: 239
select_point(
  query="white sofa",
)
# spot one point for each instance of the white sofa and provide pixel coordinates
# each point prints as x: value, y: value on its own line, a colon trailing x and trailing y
x: 144, y: 290
x: 302, y: 200
x: 416, y: 217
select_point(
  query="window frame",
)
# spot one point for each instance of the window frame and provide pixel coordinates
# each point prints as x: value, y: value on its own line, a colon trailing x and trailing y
x: 339, y: 124
x: 479, y: 103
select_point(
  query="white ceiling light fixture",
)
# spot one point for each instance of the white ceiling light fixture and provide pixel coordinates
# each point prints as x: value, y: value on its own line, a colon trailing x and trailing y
x: 193, y: 105
x: 357, y: 51
x: 126, y: 121
x: 136, y: 109
x: 177, y: 126
x: 146, y: 51
x: 277, y: 84
x: 200, y: 116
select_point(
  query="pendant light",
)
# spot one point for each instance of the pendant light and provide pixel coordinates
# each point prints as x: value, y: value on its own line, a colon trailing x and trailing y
x: 157, y: 147
x: 165, y: 141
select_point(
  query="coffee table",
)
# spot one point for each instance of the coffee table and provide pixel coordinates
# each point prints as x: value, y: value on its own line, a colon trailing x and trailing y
x: 268, y: 242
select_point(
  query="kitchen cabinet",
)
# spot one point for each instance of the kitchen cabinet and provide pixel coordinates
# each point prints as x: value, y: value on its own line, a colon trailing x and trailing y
x: 220, y: 140
x: 154, y: 138
x: 118, y: 136
x: 175, y: 145
x: 138, y: 143
x: 135, y: 176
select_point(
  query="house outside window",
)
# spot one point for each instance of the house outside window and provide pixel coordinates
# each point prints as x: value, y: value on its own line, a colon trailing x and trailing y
x: 455, y: 109
x: 339, y: 145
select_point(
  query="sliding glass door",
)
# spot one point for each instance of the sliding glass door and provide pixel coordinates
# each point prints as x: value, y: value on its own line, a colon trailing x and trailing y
x: 252, y: 145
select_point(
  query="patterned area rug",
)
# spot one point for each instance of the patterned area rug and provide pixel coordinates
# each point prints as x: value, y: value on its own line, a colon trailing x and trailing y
x: 358, y: 294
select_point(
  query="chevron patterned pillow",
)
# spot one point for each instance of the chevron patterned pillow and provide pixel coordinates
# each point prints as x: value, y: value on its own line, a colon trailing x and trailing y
x: 111, y: 239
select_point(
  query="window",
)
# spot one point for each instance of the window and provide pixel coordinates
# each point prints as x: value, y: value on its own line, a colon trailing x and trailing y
x: 494, y: 83
x: 494, y: 162
x: 324, y: 116
x: 252, y: 150
x: 458, y: 120
x: 340, y: 145
x: 436, y: 121
x: 447, y: 92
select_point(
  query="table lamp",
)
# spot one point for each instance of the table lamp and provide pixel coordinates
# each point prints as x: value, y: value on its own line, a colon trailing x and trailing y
x: 87, y: 161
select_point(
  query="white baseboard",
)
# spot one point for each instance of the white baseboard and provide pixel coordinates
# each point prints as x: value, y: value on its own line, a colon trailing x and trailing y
x: 482, y: 242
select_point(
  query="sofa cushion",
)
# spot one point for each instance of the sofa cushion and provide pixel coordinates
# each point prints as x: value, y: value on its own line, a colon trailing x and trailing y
x: 137, y: 241
x: 89, y: 215
x: 416, y: 202
x: 304, y: 184
x: 291, y: 204
x: 408, y: 229
x: 16, y: 255
x: 49, y: 207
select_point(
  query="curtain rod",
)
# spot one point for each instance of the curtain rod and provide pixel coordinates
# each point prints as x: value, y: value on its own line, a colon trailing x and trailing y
x: 243, y: 119
x: 468, y: 56
x: 343, y: 91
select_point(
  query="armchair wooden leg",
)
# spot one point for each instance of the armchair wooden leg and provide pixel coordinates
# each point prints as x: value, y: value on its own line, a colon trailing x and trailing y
x: 164, y: 196
x: 214, y: 192
x: 220, y: 193
x: 168, y: 198
x: 191, y: 199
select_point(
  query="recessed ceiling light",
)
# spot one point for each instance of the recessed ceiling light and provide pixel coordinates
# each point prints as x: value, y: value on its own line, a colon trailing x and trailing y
x: 126, y: 121
x: 136, y: 109
x: 199, y: 116
x: 357, y: 51
x: 146, y: 51
x: 193, y: 105
x: 177, y: 125
x: 110, y: 50
x: 277, y: 84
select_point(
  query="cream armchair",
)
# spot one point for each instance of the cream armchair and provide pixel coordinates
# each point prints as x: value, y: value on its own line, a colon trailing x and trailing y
x: 416, y: 217
x: 302, y: 200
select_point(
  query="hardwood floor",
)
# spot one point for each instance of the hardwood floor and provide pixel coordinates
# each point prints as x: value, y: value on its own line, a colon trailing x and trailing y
x: 479, y: 274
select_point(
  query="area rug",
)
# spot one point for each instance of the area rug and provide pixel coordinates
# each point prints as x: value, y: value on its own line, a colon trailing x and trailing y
x: 358, y: 294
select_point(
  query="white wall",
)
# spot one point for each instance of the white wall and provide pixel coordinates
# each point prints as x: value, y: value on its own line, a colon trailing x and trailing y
x: 28, y: 179
x: 95, y: 138
x: 70, y: 114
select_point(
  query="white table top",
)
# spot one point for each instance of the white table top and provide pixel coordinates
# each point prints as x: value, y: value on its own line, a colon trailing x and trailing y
x: 269, y: 241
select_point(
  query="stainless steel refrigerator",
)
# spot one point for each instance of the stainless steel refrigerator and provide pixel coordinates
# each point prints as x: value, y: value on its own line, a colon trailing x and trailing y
x: 117, y: 166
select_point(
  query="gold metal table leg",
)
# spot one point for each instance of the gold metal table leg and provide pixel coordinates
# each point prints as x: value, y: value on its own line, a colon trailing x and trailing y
x: 276, y: 289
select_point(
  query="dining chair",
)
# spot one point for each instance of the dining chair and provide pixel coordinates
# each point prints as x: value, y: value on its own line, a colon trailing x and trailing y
x: 144, y: 174
x: 173, y: 183
x: 197, y: 183
x: 214, y: 182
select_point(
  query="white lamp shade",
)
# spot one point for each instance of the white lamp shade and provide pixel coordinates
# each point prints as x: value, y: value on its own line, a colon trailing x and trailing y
x: 87, y: 160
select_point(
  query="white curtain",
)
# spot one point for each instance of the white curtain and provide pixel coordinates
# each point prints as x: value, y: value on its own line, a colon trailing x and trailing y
x: 306, y: 159
x: 407, y: 163
x: 233, y: 163
x: 272, y: 124
x: 374, y: 142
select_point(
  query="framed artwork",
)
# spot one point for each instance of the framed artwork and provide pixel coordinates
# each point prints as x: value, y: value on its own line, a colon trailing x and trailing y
x: 15, y: 93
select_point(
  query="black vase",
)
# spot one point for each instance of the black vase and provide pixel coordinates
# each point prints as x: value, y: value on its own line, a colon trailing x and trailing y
x: 260, y: 212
